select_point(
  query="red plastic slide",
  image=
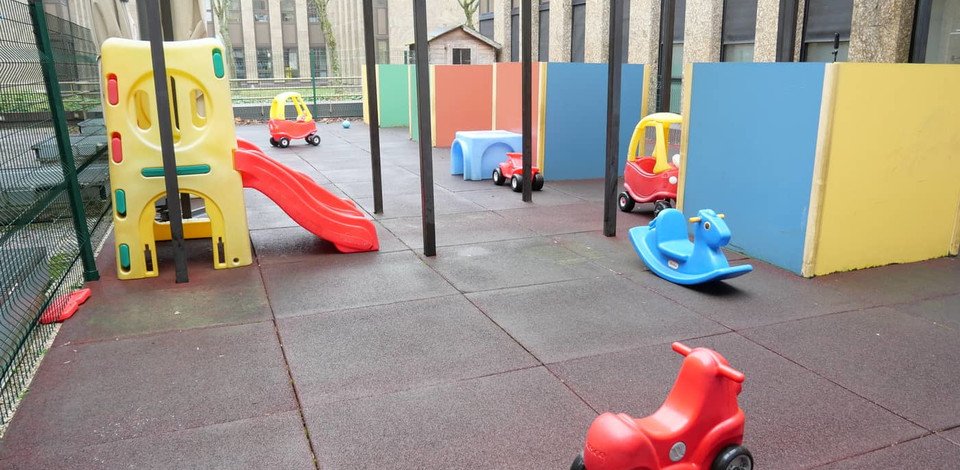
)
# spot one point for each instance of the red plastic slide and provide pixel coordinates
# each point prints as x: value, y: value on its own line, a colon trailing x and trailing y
x: 327, y: 216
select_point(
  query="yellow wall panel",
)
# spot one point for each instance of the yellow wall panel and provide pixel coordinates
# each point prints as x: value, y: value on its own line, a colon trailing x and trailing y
x: 891, y: 168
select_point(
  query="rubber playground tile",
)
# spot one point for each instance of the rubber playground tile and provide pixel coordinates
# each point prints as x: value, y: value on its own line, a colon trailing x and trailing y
x: 613, y: 253
x: 281, y: 245
x: 409, y: 205
x: 137, y: 307
x: 518, y: 420
x: 356, y: 175
x: 511, y: 263
x: 325, y: 283
x: 942, y: 311
x: 502, y: 198
x: 765, y: 296
x: 274, y: 441
x: 565, y: 320
x: 795, y: 419
x: 570, y: 218
x: 362, y: 352
x: 900, y: 283
x: 929, y: 452
x: 105, y: 391
x: 588, y: 190
x: 268, y: 216
x: 903, y: 363
x: 952, y: 435
x: 458, y: 229
x: 364, y: 189
x: 199, y: 256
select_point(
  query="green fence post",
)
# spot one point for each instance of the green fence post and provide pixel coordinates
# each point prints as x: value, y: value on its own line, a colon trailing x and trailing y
x: 313, y: 81
x: 45, y: 50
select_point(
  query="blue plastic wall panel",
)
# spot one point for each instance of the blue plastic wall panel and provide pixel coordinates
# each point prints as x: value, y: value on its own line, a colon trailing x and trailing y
x: 750, y: 154
x: 575, y: 139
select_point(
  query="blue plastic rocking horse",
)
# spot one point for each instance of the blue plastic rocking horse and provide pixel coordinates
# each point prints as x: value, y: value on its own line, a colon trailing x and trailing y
x: 665, y: 248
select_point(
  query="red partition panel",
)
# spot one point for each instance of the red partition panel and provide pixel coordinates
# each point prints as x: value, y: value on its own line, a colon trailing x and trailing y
x: 463, y: 100
x: 508, y: 94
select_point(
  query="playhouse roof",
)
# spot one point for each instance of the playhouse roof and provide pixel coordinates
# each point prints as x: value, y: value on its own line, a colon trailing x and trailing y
x: 444, y: 30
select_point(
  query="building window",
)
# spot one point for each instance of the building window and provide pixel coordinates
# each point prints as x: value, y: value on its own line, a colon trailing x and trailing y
x: 239, y: 63
x: 288, y: 11
x: 626, y: 30
x: 739, y: 30
x: 515, y: 34
x: 291, y: 63
x: 260, y: 12
x: 936, y: 34
x: 313, y: 15
x: 461, y: 56
x: 410, y: 56
x: 381, y: 21
x: 543, y: 46
x: 233, y: 12
x: 383, y: 51
x: 578, y: 30
x: 318, y: 61
x: 486, y: 6
x: 822, y: 21
x: 486, y: 24
x: 264, y: 63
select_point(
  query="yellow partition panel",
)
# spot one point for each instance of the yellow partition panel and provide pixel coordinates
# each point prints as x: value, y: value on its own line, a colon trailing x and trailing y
x: 888, y: 167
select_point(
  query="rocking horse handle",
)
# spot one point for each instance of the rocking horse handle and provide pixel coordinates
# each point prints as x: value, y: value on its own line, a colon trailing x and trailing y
x: 723, y: 369
x: 696, y: 220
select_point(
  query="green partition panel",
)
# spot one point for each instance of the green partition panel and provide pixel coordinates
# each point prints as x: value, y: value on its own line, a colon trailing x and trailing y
x: 394, y: 95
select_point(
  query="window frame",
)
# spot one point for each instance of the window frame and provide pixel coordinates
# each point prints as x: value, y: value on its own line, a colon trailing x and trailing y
x: 723, y: 31
x: 461, y: 50
x: 804, y: 31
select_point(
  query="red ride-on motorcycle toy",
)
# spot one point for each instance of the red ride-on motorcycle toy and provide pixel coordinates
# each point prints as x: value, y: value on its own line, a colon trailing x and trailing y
x: 512, y: 169
x: 282, y: 130
x: 698, y: 427
x: 650, y: 176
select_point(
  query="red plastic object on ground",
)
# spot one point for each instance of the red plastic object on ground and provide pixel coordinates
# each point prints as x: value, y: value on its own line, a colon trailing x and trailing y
x: 327, y: 216
x: 283, y: 130
x: 65, y: 306
x: 512, y: 169
x: 698, y: 427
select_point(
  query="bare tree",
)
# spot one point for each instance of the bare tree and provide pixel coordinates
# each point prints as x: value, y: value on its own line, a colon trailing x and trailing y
x: 220, y: 10
x: 333, y: 60
x: 469, y: 9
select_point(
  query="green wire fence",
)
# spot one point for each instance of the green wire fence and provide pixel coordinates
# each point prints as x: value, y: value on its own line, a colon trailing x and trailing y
x: 54, y: 187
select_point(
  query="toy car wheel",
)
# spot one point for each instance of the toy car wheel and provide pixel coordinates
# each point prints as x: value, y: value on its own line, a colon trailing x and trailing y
x: 273, y: 142
x: 578, y: 463
x: 283, y: 142
x: 313, y: 140
x: 498, y: 178
x: 733, y: 458
x: 625, y: 202
x: 537, y: 182
x: 660, y: 205
x: 516, y: 183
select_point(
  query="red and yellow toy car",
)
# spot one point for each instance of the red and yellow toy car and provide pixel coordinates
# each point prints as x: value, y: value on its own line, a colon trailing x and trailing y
x: 512, y: 169
x: 650, y: 176
x: 282, y: 130
x: 698, y: 427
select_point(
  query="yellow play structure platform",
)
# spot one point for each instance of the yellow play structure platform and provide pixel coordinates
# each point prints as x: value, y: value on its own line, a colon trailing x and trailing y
x: 204, y: 142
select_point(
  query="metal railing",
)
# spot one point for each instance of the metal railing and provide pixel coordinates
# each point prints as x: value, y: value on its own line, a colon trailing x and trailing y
x: 54, y: 188
x: 314, y: 89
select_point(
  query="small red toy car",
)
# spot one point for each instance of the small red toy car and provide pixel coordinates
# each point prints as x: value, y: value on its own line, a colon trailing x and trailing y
x: 698, y: 427
x: 651, y: 177
x: 512, y: 168
x: 282, y: 131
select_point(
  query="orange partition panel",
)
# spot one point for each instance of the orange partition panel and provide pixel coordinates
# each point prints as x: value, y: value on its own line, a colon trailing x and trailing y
x: 463, y: 100
x: 508, y: 90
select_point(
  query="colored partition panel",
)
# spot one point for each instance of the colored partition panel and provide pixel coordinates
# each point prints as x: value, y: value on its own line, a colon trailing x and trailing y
x: 751, y: 145
x: 889, y: 166
x: 462, y: 100
x: 412, y: 120
x: 393, y: 97
x: 508, y: 96
x: 575, y: 118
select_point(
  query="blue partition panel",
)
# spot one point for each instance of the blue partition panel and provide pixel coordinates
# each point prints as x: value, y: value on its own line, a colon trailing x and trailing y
x: 752, y: 141
x: 575, y: 128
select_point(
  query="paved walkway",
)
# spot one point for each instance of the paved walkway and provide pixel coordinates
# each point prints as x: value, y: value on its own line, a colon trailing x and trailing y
x: 497, y: 353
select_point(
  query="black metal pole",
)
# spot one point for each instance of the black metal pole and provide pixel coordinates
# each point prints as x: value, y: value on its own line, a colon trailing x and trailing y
x: 527, y: 104
x: 166, y: 138
x: 374, y: 113
x: 65, y: 149
x: 667, y: 12
x: 423, y: 117
x: 786, y: 30
x: 614, y: 70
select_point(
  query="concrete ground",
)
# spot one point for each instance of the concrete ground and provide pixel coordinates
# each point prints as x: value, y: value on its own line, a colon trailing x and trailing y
x: 496, y: 353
